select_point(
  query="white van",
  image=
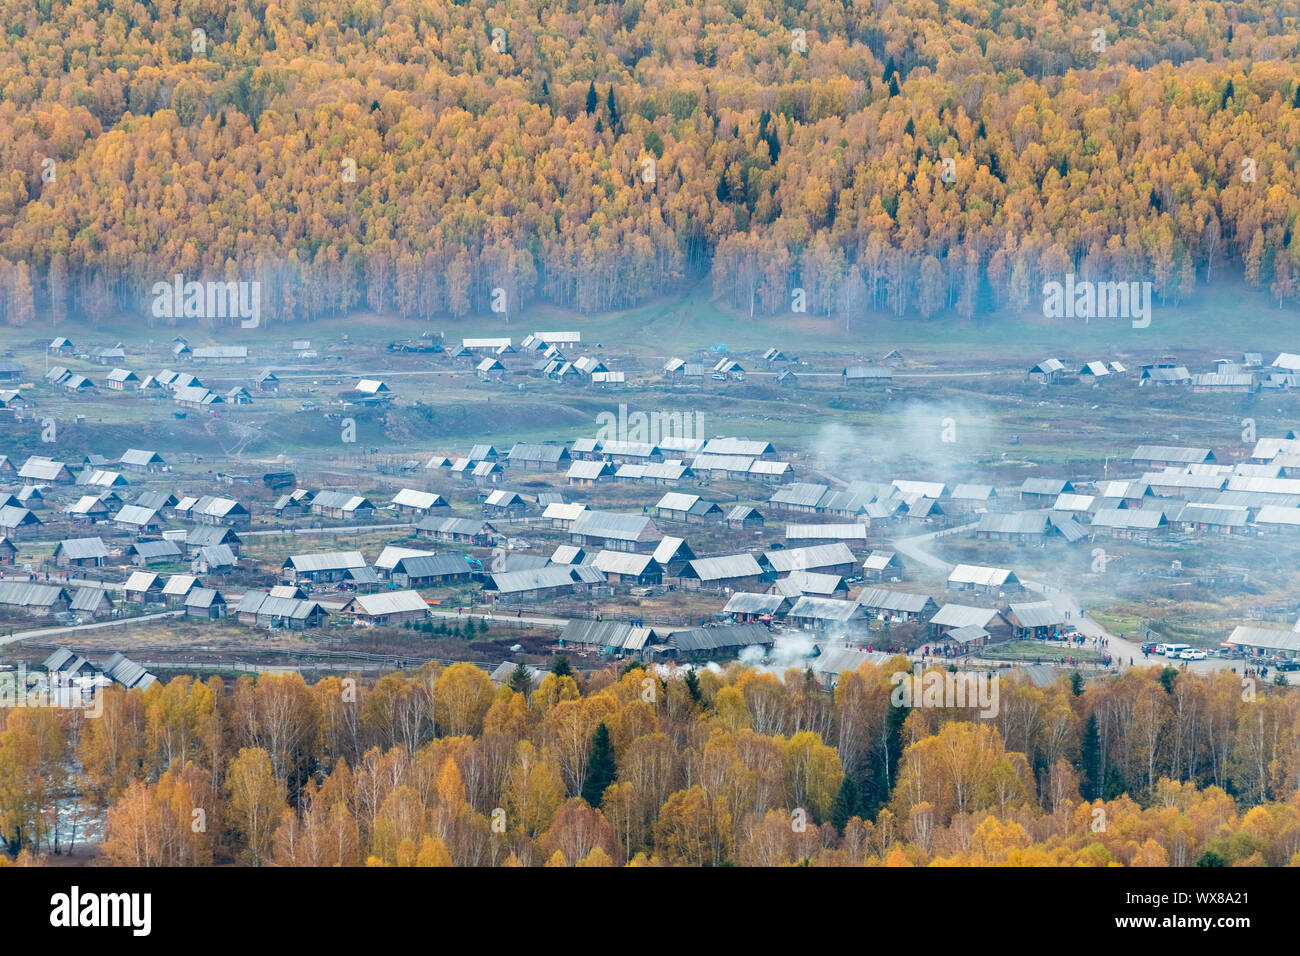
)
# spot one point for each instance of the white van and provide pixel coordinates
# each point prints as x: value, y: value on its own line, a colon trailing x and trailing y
x: 1173, y: 650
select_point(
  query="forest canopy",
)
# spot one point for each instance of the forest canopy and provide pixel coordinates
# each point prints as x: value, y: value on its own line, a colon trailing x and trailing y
x: 907, y: 157
x: 1154, y: 767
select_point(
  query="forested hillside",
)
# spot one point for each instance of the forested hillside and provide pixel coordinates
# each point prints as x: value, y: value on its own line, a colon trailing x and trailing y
x: 1155, y: 767
x: 408, y: 157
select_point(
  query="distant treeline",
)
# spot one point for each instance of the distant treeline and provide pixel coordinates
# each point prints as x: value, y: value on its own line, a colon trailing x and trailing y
x: 410, y: 158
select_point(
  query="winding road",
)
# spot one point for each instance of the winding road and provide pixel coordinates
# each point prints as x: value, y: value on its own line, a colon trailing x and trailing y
x: 917, y: 549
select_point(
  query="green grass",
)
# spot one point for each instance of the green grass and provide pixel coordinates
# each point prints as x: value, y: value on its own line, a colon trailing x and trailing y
x: 1036, y: 651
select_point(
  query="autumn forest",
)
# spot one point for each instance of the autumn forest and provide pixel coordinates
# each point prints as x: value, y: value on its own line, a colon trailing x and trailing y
x: 904, y: 157
x: 1155, y: 767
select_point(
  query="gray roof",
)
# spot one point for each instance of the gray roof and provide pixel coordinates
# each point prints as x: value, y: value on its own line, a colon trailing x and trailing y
x: 197, y: 393
x: 746, y: 602
x: 737, y: 446
x: 343, y: 500
x: 218, y: 507
x: 141, y: 581
x: 127, y: 672
x: 525, y: 562
x: 1276, y: 514
x: 1190, y: 456
x: 153, y: 499
x: 1069, y: 529
x: 1210, y: 514
x: 501, y: 498
x: 1128, y: 518
x: 567, y: 554
x: 90, y: 599
x: 586, y: 574
x: 1044, y: 486
x: 203, y: 597
x: 799, y: 493
x: 620, y: 527
x: 41, y: 469
x: 981, y: 575
x: 137, y: 515
x: 502, y: 673
x: 720, y: 638
x: 156, y: 549
x: 825, y: 609
x: 967, y: 633
x: 11, y: 516
x: 62, y: 659
x: 268, y: 605
x: 1038, y: 614
x: 590, y: 470
x: 1175, y: 374
x: 141, y: 457
x: 21, y: 594
x: 809, y: 559
x: 410, y: 498
x: 537, y: 579
x: 217, y: 556
x: 530, y: 451
x: 670, y: 548
x: 180, y: 584
x: 921, y: 506
x: 1182, y: 479
x: 962, y: 615
x: 612, y: 634
x: 1271, y: 638
x: 677, y: 501
x: 884, y: 599
x: 432, y: 565
x: 1223, y: 379
x: 325, y: 561
x: 1022, y: 522
x: 207, y: 535
x: 467, y: 526
x: 810, y: 582
x: 624, y: 562
x: 833, y: 661
x: 726, y: 566
x: 80, y: 549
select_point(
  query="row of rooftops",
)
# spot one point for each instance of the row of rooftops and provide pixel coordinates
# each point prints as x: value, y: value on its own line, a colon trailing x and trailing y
x: 556, y: 453
x: 43, y: 468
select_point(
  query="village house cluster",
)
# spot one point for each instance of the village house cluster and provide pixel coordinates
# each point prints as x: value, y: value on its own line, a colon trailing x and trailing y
x: 758, y: 546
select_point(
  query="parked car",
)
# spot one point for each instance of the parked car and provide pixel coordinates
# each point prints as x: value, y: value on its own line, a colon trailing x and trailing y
x: 1288, y: 665
x: 1191, y: 655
